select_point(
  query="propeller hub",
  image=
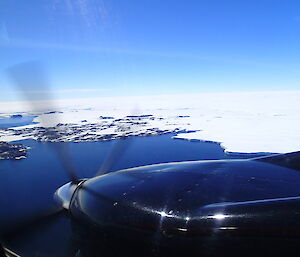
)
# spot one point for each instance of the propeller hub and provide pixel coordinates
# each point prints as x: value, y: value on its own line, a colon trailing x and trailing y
x: 64, y: 194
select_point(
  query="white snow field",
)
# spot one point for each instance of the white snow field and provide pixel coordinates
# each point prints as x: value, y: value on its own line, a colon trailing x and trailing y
x: 247, y: 122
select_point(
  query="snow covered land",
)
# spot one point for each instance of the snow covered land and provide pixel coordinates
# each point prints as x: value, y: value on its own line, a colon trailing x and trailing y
x: 240, y: 122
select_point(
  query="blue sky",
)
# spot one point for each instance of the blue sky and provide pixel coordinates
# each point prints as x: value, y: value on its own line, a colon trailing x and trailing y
x: 139, y: 47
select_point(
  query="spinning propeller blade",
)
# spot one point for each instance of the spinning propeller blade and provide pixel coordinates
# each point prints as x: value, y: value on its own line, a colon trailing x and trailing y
x: 118, y: 150
x: 29, y: 78
x: 15, y: 227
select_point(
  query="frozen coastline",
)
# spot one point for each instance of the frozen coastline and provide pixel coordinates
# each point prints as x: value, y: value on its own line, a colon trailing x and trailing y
x: 240, y: 122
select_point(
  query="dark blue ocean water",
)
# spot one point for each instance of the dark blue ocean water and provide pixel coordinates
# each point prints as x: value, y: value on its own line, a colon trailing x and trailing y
x: 36, y: 178
x: 27, y: 186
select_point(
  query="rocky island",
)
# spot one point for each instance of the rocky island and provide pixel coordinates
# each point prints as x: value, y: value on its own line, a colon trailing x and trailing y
x: 12, y: 151
x: 102, y: 129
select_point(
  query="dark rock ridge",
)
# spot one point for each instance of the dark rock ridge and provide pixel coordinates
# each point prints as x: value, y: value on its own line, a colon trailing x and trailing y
x: 12, y: 151
x: 139, y: 116
x: 52, y: 112
x: 106, y: 117
x: 183, y: 116
x: 15, y: 116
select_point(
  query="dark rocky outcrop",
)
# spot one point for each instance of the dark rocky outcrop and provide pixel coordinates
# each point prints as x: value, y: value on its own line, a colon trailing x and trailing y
x: 16, y: 116
x: 12, y: 151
